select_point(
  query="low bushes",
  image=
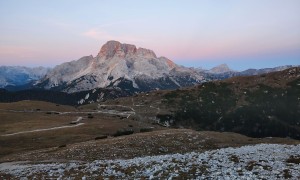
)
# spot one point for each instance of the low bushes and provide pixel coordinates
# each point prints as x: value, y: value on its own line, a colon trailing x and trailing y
x: 123, y: 132
x: 146, y: 129
x: 101, y: 137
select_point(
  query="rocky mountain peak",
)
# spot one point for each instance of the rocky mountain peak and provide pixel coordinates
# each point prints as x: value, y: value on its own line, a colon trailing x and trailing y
x: 220, y: 69
x: 120, y: 65
x: 116, y: 49
x: 109, y: 49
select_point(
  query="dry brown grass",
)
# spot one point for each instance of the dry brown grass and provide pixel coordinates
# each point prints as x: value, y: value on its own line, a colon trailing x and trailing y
x: 78, y: 142
x: 144, y: 144
x: 34, y: 105
x: 92, y: 128
x: 13, y: 122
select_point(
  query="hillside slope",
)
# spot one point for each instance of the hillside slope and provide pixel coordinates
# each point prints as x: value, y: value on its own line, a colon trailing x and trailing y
x: 258, y: 106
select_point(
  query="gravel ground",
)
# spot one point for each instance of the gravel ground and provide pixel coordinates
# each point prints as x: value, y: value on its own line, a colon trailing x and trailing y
x: 262, y: 161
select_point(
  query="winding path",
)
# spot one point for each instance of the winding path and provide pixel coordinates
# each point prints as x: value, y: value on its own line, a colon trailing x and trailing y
x: 47, y: 129
x: 114, y: 112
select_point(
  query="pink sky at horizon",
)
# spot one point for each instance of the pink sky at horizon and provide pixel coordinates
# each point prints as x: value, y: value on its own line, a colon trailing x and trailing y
x: 198, y: 33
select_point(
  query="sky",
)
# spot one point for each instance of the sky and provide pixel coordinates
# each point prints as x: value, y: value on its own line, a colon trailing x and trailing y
x: 194, y: 33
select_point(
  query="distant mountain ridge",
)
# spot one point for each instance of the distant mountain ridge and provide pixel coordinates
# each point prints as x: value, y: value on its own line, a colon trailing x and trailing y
x: 117, y: 66
x: 12, y: 76
x: 134, y: 69
x: 223, y: 68
x: 264, y: 70
x: 224, y: 72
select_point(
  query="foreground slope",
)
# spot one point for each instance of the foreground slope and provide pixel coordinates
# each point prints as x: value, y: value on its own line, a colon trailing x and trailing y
x: 92, y: 145
x: 264, y: 161
x: 157, y: 142
x: 32, y: 125
x: 180, y: 153
x: 37, y: 131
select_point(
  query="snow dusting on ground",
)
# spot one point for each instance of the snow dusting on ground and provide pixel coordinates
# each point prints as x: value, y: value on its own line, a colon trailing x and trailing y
x: 262, y: 161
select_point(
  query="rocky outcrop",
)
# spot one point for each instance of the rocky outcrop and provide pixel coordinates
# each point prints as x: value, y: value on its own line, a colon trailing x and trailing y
x: 223, y: 68
x: 116, y: 49
x: 117, y: 64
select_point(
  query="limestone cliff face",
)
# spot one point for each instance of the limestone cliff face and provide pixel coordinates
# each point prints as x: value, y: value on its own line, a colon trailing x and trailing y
x: 115, y: 63
x: 223, y: 68
x: 116, y: 49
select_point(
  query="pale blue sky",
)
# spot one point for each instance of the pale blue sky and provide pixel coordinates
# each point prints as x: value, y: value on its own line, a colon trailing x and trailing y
x: 243, y: 34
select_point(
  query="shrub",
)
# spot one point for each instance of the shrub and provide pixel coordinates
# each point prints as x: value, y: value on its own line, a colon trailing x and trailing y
x: 146, y: 129
x: 62, y: 146
x: 123, y: 132
x: 101, y: 137
x: 293, y: 159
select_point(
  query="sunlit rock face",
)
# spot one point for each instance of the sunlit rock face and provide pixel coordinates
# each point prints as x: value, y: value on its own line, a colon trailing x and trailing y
x: 223, y: 68
x: 117, y: 63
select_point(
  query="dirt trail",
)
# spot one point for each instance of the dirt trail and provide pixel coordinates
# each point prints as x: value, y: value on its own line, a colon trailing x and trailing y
x: 112, y: 112
x: 47, y: 129
x: 127, y: 114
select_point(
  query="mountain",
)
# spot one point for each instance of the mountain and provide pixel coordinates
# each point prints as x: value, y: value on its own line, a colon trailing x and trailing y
x: 223, y: 68
x: 224, y: 72
x: 264, y: 70
x: 120, y: 66
x: 16, y: 76
x: 118, y: 70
